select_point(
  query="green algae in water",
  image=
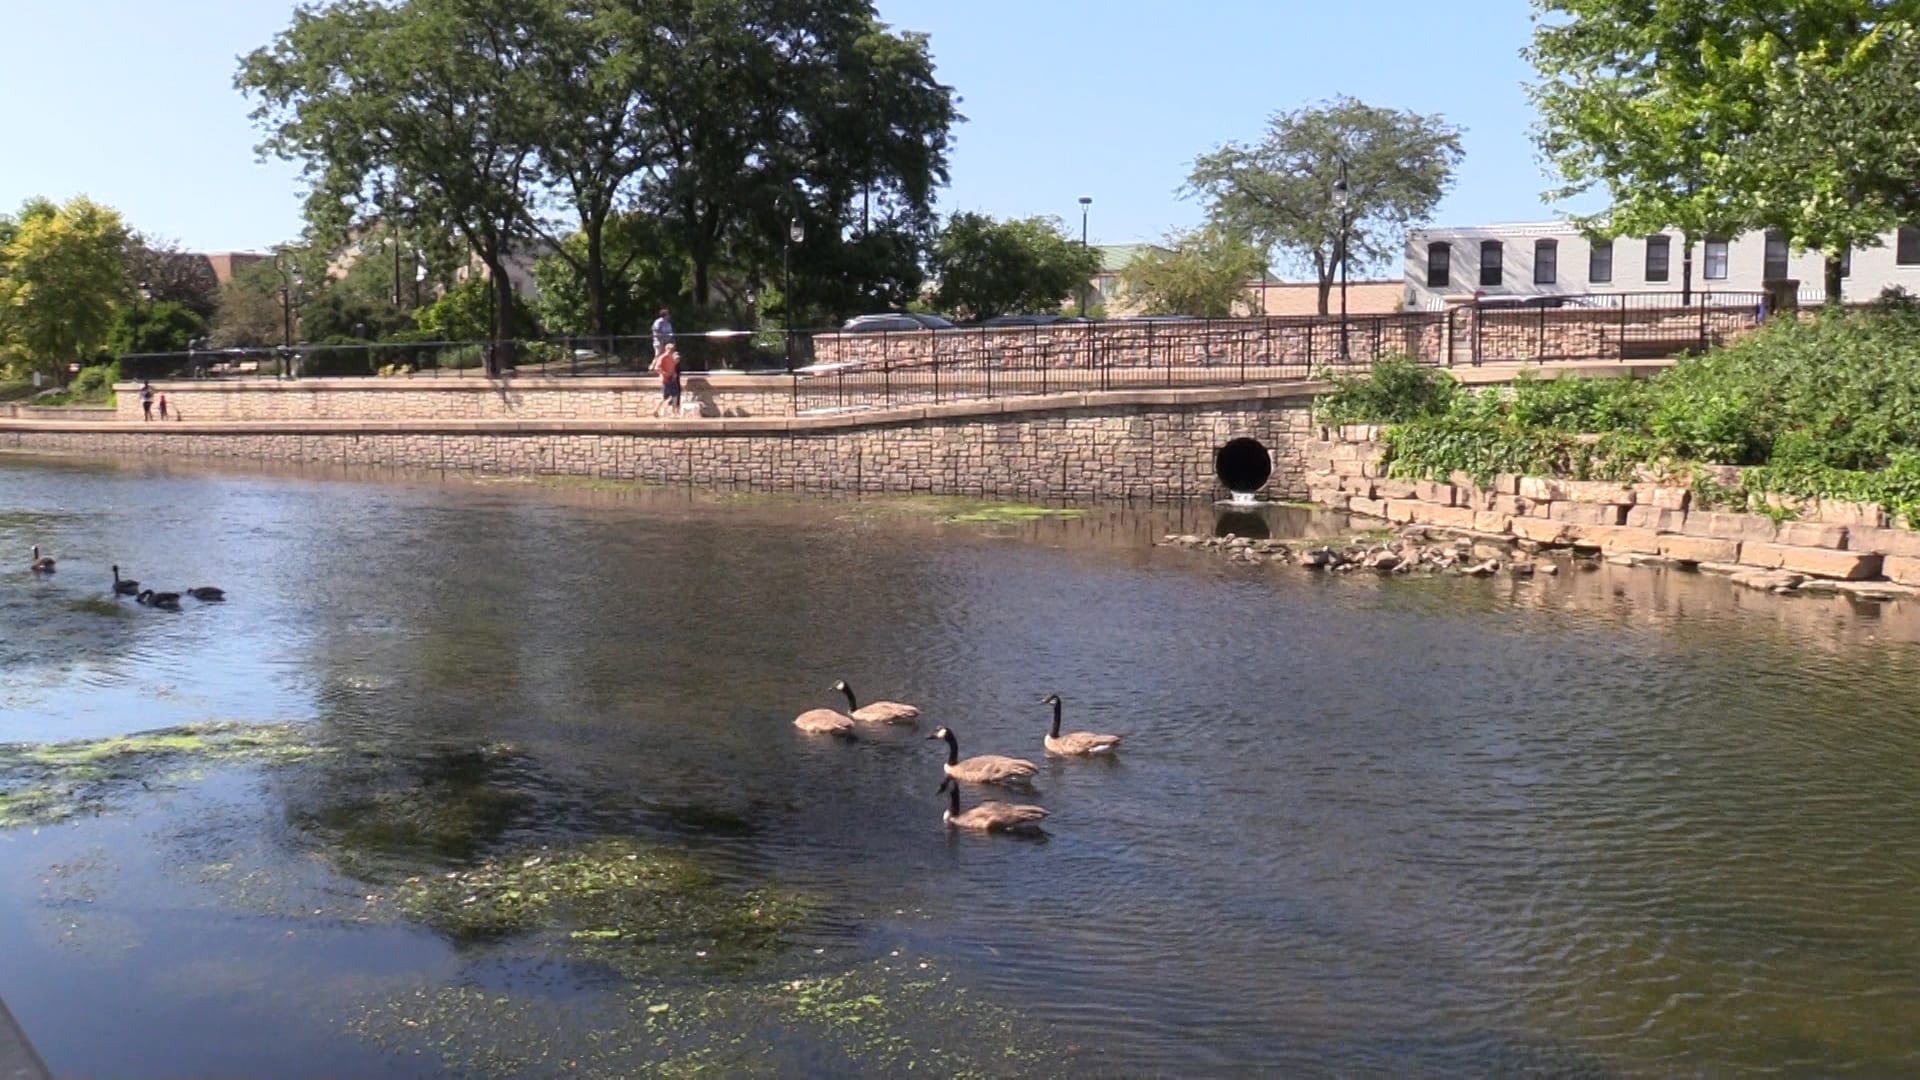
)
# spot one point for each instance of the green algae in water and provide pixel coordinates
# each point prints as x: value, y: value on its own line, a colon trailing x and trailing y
x: 618, y: 902
x: 878, y: 1018
x: 47, y: 783
x: 1010, y: 514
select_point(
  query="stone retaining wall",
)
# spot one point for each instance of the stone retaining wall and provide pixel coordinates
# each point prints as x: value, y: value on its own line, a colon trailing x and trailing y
x: 1636, y: 521
x: 455, y: 398
x: 1133, y: 446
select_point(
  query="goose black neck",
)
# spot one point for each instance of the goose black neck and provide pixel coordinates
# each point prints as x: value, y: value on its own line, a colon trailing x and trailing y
x: 953, y: 754
x: 953, y: 799
x: 848, y: 690
x: 1056, y: 718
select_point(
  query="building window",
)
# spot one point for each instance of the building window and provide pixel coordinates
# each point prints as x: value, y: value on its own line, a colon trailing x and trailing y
x: 1716, y: 260
x: 1546, y: 262
x: 1775, y: 268
x: 1439, y: 264
x: 1600, y: 262
x: 1659, y: 255
x: 1907, y: 247
x: 1491, y: 273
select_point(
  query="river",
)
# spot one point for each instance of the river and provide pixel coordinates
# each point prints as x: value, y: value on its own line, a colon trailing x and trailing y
x: 1620, y: 823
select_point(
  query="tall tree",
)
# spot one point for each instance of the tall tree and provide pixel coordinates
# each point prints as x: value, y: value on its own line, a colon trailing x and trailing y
x: 427, y: 98
x: 63, y: 277
x: 771, y: 110
x: 987, y: 267
x: 1202, y: 273
x: 170, y: 275
x: 597, y: 133
x: 1837, y: 162
x: 1279, y: 192
x: 1711, y: 117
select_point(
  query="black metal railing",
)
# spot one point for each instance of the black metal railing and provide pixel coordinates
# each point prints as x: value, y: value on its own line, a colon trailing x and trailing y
x: 836, y: 370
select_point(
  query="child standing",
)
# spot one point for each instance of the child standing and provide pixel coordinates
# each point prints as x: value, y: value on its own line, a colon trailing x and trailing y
x: 667, y: 363
x: 163, y: 406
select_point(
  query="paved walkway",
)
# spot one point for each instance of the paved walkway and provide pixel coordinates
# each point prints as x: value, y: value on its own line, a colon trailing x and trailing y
x: 17, y: 1059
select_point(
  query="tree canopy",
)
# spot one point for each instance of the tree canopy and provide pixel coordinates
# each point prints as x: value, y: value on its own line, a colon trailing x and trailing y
x: 63, y: 277
x: 723, y: 120
x: 987, y: 267
x: 1202, y: 273
x: 1712, y: 117
x: 1279, y: 192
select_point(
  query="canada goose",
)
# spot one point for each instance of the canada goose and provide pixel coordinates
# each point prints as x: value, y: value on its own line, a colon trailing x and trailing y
x: 207, y: 593
x: 40, y: 565
x: 1078, y: 743
x: 877, y: 712
x: 824, y: 722
x: 985, y: 769
x: 168, y: 600
x: 124, y: 586
x: 990, y: 816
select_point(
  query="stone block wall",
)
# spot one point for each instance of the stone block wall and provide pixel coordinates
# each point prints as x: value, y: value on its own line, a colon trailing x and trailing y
x: 1139, y: 450
x: 1827, y: 540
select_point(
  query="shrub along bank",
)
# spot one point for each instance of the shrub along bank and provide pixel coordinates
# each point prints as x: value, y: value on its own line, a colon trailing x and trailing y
x: 1827, y: 407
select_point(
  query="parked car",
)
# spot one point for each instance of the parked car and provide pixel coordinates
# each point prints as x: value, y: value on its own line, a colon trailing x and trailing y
x: 894, y: 322
x: 1030, y: 320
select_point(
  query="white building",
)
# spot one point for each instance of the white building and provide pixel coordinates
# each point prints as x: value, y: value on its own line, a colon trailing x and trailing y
x: 1557, y: 259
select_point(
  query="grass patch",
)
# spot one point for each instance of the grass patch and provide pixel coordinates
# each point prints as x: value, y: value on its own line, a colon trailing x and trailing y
x: 46, y: 783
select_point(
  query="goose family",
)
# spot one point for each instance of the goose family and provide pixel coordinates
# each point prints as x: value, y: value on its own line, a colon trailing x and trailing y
x: 1078, y: 743
x: 39, y: 564
x: 986, y: 768
x: 990, y: 816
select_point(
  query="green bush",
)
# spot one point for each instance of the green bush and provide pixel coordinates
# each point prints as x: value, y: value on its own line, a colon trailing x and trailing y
x: 1397, y: 390
x: 1826, y: 407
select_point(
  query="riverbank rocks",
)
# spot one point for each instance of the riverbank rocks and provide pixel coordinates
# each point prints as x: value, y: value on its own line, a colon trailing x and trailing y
x: 1656, y: 518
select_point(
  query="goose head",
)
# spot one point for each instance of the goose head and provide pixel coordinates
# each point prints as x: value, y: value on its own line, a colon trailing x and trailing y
x: 942, y: 733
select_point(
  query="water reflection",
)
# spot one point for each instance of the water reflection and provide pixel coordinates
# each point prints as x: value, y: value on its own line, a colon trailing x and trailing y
x: 1619, y: 821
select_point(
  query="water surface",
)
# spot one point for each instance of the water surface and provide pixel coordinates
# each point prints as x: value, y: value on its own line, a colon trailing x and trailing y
x: 1626, y: 822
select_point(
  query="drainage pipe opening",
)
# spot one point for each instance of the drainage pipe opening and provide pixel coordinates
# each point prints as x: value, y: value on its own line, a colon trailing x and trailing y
x: 1243, y: 466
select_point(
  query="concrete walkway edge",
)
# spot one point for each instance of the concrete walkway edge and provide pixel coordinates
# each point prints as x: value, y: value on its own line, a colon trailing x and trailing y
x: 17, y: 1058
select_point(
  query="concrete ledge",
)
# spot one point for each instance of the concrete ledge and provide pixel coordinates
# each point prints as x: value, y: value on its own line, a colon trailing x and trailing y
x: 18, y: 1061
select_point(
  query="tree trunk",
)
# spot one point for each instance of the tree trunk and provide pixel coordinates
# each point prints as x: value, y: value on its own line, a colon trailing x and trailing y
x: 1835, y: 283
x: 597, y: 279
x: 1324, y: 275
x: 502, y: 344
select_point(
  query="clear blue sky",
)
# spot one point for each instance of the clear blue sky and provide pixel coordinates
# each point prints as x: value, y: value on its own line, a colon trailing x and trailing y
x: 131, y: 102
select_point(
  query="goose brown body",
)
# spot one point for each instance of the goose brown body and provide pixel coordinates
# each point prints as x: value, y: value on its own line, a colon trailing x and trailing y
x: 985, y: 768
x: 824, y: 722
x: 990, y: 816
x: 877, y: 712
x: 1075, y: 743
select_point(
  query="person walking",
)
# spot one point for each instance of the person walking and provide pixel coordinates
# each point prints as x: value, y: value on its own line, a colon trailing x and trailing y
x: 146, y: 401
x: 662, y: 333
x: 667, y: 362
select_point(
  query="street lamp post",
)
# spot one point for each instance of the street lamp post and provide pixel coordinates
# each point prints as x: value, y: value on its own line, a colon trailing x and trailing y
x: 1086, y: 201
x: 1341, y: 201
x: 796, y: 234
x: 289, y: 279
